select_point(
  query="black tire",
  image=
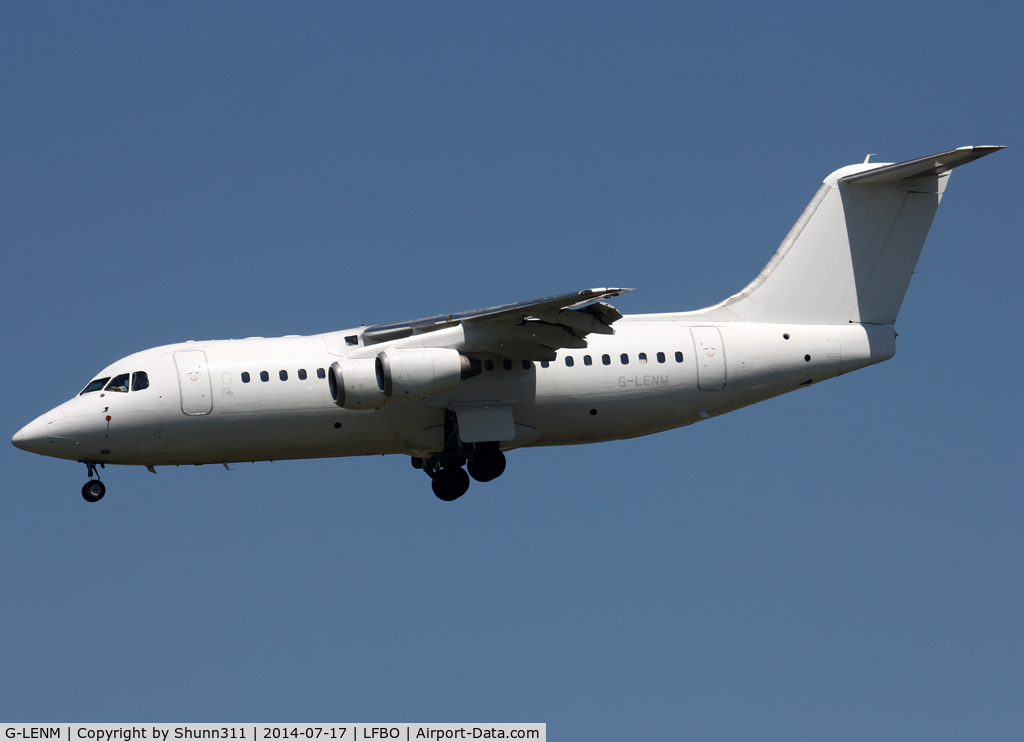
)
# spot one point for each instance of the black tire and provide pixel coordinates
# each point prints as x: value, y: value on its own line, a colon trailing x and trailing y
x: 93, y: 490
x: 487, y: 465
x: 450, y: 483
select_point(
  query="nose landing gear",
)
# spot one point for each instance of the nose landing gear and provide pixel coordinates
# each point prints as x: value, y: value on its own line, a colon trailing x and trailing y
x: 94, y: 489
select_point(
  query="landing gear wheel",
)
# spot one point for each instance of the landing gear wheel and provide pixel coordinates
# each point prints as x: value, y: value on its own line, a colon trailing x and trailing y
x: 93, y: 490
x: 487, y: 465
x: 450, y: 483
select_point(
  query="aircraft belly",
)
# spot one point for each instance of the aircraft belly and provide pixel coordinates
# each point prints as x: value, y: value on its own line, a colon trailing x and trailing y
x: 284, y: 434
x: 623, y: 413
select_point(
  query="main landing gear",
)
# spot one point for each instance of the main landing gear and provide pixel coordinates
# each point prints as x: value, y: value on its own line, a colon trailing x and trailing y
x: 450, y: 481
x: 94, y: 489
x: 487, y: 463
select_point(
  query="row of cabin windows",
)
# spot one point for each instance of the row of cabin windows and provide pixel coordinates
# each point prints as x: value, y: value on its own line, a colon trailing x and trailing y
x: 587, y: 361
x: 623, y: 359
x: 140, y: 380
x: 283, y: 375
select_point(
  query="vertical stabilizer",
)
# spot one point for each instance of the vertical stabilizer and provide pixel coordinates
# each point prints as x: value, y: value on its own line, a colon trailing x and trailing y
x: 851, y: 254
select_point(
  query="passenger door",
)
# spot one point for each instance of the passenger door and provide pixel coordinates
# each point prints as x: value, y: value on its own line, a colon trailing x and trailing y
x: 710, y: 352
x: 194, y: 380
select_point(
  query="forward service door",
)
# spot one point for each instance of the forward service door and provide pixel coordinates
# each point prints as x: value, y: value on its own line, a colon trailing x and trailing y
x: 194, y: 380
x: 710, y: 353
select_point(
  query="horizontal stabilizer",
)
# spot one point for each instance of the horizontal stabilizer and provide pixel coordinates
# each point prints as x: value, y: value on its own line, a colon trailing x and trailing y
x: 922, y: 167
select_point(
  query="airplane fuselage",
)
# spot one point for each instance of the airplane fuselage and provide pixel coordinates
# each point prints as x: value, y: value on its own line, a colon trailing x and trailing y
x: 657, y: 372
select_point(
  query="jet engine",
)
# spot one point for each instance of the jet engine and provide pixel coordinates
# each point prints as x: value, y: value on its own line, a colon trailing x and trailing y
x: 422, y: 372
x: 356, y: 384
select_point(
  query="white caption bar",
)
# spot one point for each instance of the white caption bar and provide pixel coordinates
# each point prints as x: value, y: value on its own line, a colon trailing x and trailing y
x: 263, y: 732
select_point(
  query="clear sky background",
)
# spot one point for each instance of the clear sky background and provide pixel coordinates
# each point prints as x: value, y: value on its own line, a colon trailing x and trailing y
x: 841, y: 563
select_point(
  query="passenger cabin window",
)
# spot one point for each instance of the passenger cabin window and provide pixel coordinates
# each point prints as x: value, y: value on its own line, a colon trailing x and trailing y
x: 321, y: 374
x: 507, y: 364
x: 245, y: 377
x: 283, y: 375
x: 526, y: 365
x: 588, y: 361
x: 119, y: 383
x: 642, y: 358
x: 661, y: 357
x: 569, y: 361
x: 625, y: 359
x: 606, y: 359
x: 140, y: 381
x: 302, y: 374
x: 488, y: 365
x: 95, y: 386
x: 264, y: 376
x: 351, y: 340
x: 544, y: 364
x: 679, y: 357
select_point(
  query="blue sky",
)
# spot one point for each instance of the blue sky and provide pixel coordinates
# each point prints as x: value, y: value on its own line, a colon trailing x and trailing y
x: 840, y: 563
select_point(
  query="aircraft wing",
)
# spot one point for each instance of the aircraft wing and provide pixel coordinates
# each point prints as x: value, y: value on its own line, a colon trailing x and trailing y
x: 531, y: 330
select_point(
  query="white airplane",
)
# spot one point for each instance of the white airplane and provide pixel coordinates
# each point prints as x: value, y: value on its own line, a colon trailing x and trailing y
x: 461, y: 389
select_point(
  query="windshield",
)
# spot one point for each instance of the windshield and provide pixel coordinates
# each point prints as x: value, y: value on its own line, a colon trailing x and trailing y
x: 95, y: 386
x: 118, y: 384
x: 140, y: 381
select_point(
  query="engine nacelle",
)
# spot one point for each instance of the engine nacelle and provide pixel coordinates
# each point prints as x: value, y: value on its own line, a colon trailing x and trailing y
x: 422, y: 372
x: 356, y: 384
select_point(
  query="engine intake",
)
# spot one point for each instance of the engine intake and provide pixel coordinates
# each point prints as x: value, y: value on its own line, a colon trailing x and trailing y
x: 422, y: 372
x: 356, y: 384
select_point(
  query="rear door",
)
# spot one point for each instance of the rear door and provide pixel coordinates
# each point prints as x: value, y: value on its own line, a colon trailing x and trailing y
x: 194, y: 380
x: 707, y: 342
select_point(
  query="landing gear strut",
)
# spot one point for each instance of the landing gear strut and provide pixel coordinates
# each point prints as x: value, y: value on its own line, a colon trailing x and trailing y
x: 94, y: 489
x: 449, y: 480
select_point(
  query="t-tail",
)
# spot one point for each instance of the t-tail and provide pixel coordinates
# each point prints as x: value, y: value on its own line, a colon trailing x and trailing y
x: 850, y: 256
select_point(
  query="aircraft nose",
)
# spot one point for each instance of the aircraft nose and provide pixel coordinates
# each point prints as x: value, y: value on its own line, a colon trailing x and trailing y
x: 35, y: 436
x: 31, y: 437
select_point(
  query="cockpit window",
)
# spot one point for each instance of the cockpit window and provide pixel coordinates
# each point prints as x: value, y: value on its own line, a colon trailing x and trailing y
x: 95, y: 386
x: 118, y: 384
x: 140, y: 381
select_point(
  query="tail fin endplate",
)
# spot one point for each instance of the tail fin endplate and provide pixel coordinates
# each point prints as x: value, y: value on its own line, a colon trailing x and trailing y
x: 850, y: 255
